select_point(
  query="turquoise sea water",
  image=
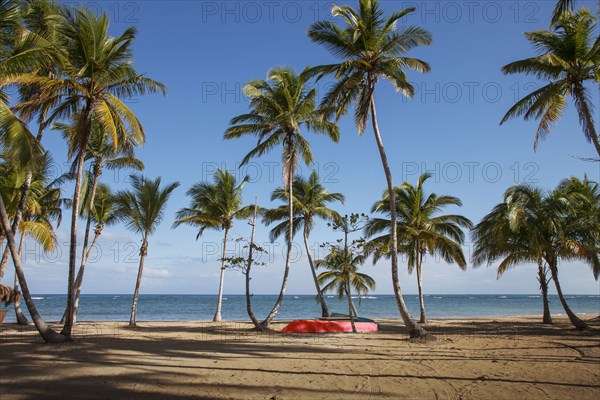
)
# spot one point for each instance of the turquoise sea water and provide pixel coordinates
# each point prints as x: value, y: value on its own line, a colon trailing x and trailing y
x: 202, y: 307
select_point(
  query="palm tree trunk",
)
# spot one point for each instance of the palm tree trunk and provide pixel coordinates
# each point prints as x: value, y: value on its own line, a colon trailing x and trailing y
x: 248, y: 268
x: 46, y: 333
x: 324, y: 309
x: 423, y: 319
x: 547, y: 319
x: 354, y: 311
x: 585, y: 116
x: 347, y: 281
x: 21, y: 318
x: 217, y: 316
x: 575, y: 320
x: 79, y: 280
x: 136, y: 293
x: 414, y: 329
x: 350, y: 304
x: 4, y: 262
x: 264, y: 325
x: 85, y: 251
x: 68, y: 327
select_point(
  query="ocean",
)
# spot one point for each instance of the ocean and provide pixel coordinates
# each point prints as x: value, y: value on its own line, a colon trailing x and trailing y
x: 117, y: 307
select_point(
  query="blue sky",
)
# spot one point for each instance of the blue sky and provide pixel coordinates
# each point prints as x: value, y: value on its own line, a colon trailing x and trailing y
x: 205, y: 51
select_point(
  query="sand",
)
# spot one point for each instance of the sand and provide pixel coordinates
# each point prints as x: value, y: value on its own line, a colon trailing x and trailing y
x: 504, y: 358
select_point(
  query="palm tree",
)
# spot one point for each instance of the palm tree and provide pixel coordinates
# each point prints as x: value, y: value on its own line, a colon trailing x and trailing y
x: 537, y: 225
x: 496, y: 240
x: 422, y: 228
x: 215, y: 206
x: 342, y: 276
x: 44, y: 330
x: 103, y: 213
x: 310, y: 200
x: 568, y: 58
x: 279, y: 108
x: 103, y: 151
x: 142, y: 209
x: 96, y: 75
x: 371, y: 49
x: 41, y: 206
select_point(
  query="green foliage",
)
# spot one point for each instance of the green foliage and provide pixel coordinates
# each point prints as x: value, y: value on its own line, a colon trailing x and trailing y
x: 531, y: 224
x: 142, y: 207
x: 568, y: 57
x: 421, y: 227
x: 310, y: 199
x: 371, y: 48
x: 214, y: 205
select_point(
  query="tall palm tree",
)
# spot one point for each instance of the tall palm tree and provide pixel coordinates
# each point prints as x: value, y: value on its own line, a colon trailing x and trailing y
x: 568, y: 58
x: 310, y: 200
x: 102, y: 213
x: 341, y: 275
x: 142, y: 209
x: 536, y: 224
x: 215, y: 206
x: 279, y: 108
x: 371, y: 49
x: 96, y: 75
x: 103, y: 152
x: 422, y: 228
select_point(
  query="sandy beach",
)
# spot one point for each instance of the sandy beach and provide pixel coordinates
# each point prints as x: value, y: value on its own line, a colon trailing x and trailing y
x: 508, y: 358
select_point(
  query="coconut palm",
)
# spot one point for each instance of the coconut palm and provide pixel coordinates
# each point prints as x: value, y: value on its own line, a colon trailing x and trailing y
x: 371, y: 49
x: 215, y: 206
x: 536, y: 224
x: 103, y: 152
x: 44, y: 330
x: 103, y: 213
x: 341, y: 275
x: 311, y: 200
x: 42, y: 205
x: 568, y: 58
x: 496, y: 240
x: 279, y: 108
x: 422, y: 229
x: 142, y: 209
x: 96, y: 75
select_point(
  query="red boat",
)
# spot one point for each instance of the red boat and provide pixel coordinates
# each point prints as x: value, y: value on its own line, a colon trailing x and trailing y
x: 320, y: 326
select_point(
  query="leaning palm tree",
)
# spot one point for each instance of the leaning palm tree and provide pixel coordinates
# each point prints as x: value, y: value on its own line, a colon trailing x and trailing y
x: 553, y: 226
x: 311, y: 200
x: 371, y: 49
x: 48, y: 334
x: 142, y: 209
x: 96, y: 76
x: 422, y: 229
x: 102, y: 214
x: 215, y: 206
x: 341, y: 275
x: 568, y: 58
x: 279, y: 108
x: 103, y: 151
